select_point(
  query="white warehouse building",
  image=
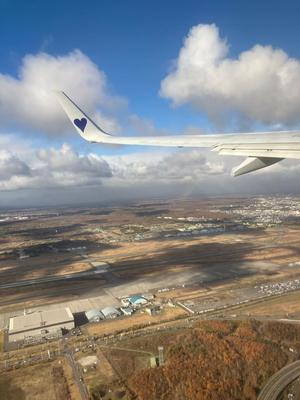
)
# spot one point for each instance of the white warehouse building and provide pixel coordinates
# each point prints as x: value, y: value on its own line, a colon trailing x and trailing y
x: 110, y: 312
x: 40, y: 324
x: 94, y: 315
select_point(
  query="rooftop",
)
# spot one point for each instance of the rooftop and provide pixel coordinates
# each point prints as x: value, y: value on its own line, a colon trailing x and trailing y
x: 40, y: 319
x: 95, y: 313
x: 110, y: 311
x: 137, y: 299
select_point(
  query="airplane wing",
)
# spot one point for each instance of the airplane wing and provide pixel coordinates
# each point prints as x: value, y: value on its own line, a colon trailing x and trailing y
x: 261, y: 149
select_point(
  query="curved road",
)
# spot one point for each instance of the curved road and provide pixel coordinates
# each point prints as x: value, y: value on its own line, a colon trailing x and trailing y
x: 279, y: 381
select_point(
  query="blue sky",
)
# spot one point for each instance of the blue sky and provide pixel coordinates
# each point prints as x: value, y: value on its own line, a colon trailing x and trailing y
x: 136, y: 45
x: 134, y: 42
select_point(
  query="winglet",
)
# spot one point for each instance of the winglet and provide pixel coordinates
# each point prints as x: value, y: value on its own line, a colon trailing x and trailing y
x: 83, y: 124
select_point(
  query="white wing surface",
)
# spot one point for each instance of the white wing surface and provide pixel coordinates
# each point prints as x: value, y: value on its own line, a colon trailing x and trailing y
x: 261, y: 149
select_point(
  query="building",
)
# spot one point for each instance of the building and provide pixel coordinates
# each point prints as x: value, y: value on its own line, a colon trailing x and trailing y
x: 137, y: 301
x: 152, y: 310
x: 125, y: 302
x: 127, y: 310
x: 41, y: 324
x: 94, y: 315
x: 153, y: 362
x: 110, y: 312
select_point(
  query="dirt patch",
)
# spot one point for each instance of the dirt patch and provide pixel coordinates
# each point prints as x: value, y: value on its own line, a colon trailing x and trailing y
x: 35, y: 383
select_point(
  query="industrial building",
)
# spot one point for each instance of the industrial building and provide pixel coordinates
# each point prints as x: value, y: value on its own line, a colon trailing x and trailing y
x: 110, y: 312
x: 94, y: 315
x: 137, y: 301
x: 125, y: 302
x: 153, y: 310
x: 41, y: 324
x: 127, y: 310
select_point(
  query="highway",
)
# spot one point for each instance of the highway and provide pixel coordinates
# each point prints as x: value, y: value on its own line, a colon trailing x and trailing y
x: 279, y: 381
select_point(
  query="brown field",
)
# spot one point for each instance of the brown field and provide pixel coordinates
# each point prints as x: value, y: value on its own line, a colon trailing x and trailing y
x: 103, y: 234
x: 133, y: 322
x: 49, y: 381
x: 287, y: 306
x: 1, y: 341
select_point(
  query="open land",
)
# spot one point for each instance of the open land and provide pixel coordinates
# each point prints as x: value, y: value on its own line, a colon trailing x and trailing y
x: 207, y: 259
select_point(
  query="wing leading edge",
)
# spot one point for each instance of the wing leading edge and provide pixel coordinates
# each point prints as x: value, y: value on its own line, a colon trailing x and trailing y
x: 261, y: 149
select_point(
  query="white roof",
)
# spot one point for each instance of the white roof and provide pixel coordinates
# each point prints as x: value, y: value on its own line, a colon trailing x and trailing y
x: 40, y: 319
x: 110, y: 311
x: 95, y: 313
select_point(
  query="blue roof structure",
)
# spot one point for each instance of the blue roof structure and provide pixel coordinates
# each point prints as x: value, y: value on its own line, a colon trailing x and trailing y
x: 137, y: 300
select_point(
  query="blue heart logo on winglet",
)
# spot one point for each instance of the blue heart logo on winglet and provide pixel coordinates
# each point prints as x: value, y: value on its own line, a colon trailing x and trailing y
x: 80, y: 123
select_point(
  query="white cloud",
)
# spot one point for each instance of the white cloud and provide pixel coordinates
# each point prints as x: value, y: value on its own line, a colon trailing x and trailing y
x: 11, y: 165
x: 51, y: 168
x: 262, y: 84
x: 167, y: 167
x: 28, y: 100
x: 62, y: 176
x: 145, y: 127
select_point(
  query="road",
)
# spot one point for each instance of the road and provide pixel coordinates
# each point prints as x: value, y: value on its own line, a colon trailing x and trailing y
x: 279, y: 381
x: 77, y: 376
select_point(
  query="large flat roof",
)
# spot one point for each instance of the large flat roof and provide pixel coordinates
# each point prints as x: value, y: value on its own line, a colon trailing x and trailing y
x: 40, y: 319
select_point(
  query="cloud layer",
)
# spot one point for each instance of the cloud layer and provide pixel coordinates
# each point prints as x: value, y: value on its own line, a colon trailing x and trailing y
x: 28, y: 100
x: 63, y: 176
x: 51, y: 168
x: 263, y: 83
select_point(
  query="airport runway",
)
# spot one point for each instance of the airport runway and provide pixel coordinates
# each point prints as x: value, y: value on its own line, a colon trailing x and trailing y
x: 279, y: 381
x: 48, y: 279
x: 131, y: 264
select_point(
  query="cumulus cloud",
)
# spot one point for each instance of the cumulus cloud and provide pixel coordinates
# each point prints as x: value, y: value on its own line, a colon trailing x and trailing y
x: 262, y: 83
x: 62, y: 176
x: 185, y: 165
x: 28, y: 100
x: 67, y: 160
x: 11, y: 166
x: 52, y: 168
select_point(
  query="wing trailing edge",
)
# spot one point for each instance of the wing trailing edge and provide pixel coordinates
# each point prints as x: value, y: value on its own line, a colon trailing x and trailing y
x: 253, y: 164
